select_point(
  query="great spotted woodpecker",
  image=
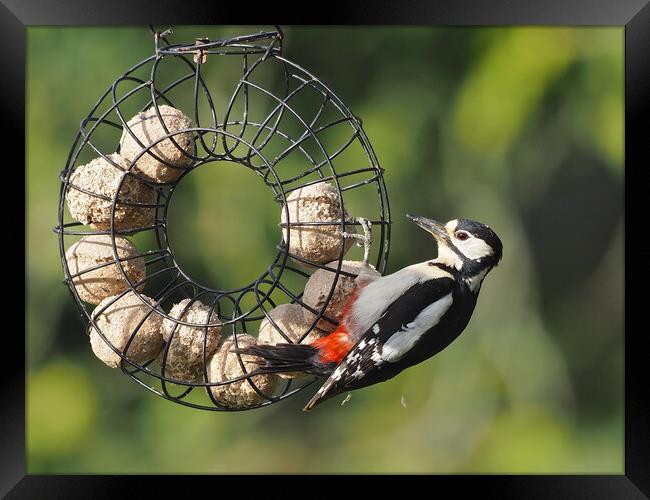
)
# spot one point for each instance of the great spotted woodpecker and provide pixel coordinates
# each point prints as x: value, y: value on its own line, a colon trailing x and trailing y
x: 398, y: 320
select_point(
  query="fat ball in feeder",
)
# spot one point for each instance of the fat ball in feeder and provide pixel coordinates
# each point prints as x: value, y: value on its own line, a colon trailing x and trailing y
x: 93, y: 188
x: 183, y: 359
x: 314, y: 230
x: 122, y: 319
x: 224, y: 365
x: 164, y: 160
x: 97, y: 279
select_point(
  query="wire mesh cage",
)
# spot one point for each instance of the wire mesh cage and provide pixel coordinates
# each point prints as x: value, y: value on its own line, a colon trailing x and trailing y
x: 154, y: 124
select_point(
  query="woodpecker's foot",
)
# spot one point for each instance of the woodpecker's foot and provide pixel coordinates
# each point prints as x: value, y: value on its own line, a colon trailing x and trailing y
x: 364, y: 240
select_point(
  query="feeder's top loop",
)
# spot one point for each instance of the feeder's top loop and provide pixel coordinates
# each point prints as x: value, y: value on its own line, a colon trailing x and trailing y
x: 244, y: 44
x: 157, y: 35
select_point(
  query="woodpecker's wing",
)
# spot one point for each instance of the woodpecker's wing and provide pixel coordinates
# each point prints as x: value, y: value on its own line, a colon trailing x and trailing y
x: 375, y: 357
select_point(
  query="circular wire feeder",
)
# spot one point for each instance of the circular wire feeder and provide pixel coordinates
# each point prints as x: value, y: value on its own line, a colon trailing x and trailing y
x: 281, y: 122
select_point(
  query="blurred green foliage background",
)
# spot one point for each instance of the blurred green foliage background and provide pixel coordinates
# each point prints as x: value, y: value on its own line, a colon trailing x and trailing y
x: 521, y: 128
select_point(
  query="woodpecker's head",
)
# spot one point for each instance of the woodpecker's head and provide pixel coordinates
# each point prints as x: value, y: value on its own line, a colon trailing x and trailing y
x: 469, y: 246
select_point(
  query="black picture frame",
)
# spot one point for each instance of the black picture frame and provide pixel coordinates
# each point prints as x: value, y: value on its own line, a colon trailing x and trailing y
x: 634, y: 15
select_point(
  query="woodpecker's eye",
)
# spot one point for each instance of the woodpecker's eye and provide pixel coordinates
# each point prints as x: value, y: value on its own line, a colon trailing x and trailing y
x: 462, y: 235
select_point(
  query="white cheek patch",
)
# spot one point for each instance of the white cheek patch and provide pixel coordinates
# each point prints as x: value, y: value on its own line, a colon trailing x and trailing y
x: 473, y: 248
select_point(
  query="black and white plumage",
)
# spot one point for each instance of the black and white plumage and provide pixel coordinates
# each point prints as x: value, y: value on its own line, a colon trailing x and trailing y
x: 388, y: 346
x: 402, y: 319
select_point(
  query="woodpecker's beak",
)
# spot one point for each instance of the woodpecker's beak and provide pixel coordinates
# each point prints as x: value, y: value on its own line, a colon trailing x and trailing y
x: 437, y: 229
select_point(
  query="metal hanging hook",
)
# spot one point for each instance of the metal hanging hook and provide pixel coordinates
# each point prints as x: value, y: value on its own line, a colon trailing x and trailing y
x: 157, y: 35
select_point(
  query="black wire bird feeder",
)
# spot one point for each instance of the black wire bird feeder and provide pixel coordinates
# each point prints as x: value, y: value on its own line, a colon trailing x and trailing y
x: 278, y: 115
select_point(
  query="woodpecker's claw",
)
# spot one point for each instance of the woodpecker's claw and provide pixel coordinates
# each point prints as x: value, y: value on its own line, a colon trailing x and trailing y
x: 365, y: 239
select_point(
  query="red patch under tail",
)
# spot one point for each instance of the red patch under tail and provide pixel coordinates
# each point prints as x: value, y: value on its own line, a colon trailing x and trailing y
x: 334, y: 347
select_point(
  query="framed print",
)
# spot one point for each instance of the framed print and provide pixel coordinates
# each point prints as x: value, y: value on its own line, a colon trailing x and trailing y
x: 362, y: 179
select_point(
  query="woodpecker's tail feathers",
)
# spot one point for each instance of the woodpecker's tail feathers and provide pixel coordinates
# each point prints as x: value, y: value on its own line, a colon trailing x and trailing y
x: 313, y: 402
x: 284, y: 357
x: 323, y: 394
